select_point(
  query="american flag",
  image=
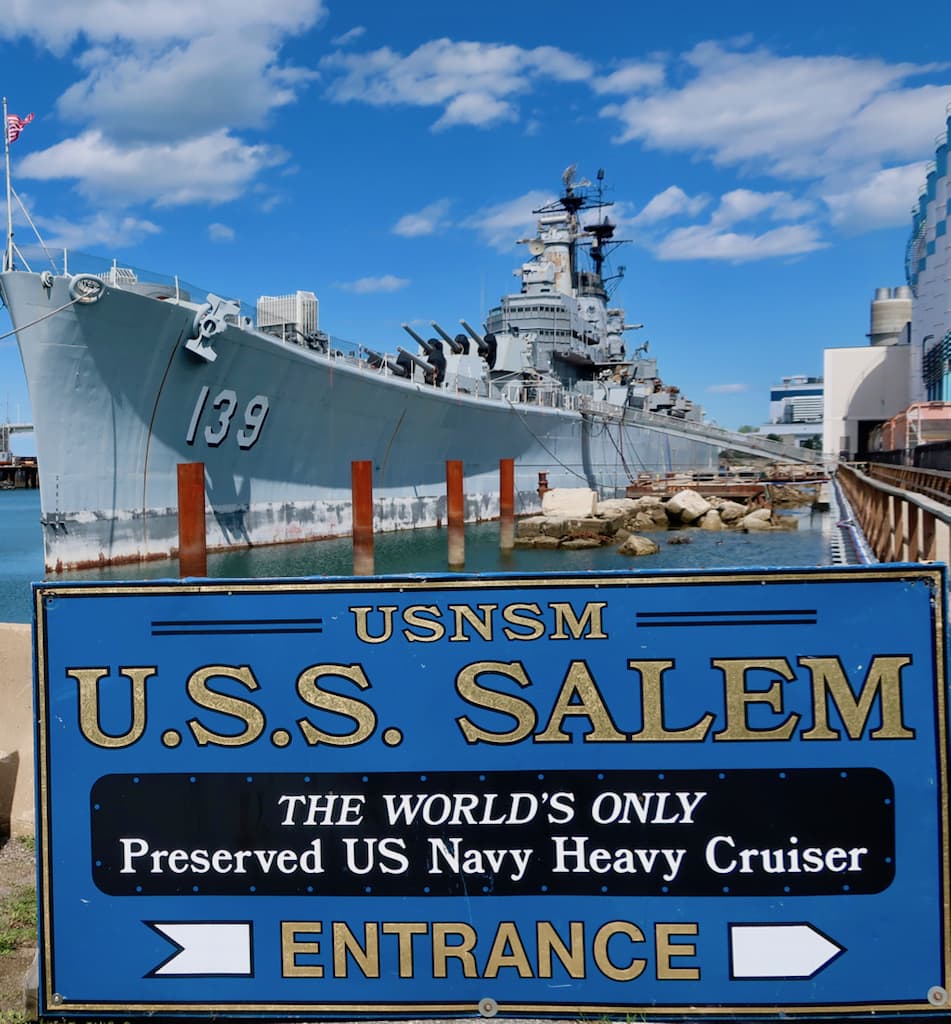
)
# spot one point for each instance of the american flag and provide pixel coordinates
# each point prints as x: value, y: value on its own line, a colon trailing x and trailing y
x: 15, y: 125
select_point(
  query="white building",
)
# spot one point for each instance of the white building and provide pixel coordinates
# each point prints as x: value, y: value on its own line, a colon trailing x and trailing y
x: 864, y: 386
x: 284, y: 315
x: 795, y: 410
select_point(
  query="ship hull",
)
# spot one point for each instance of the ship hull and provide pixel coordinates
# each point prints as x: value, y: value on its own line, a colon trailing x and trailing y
x: 119, y: 401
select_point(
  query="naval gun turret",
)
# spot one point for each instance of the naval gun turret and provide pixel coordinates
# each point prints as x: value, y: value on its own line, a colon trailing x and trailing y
x: 435, y: 357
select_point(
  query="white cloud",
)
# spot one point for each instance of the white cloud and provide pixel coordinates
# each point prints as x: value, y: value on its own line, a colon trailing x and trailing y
x: 744, y: 204
x: 103, y: 230
x: 794, y: 117
x: 427, y: 221
x: 477, y: 109
x: 474, y: 83
x: 212, y: 169
x: 499, y: 225
x: 351, y: 35
x: 369, y: 285
x: 159, y: 79
x: 185, y: 89
x: 727, y: 389
x: 672, y: 202
x: 630, y: 78
x: 707, y: 242
x: 220, y: 233
x: 57, y: 24
x: 715, y: 239
x: 883, y: 200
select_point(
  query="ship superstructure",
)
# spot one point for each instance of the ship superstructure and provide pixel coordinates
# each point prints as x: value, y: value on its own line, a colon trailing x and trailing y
x: 131, y: 374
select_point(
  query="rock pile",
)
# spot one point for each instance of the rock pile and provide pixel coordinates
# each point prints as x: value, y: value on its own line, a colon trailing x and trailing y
x: 573, y: 518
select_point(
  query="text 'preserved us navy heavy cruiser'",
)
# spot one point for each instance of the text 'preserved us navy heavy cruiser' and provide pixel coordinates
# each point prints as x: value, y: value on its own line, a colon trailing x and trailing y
x: 129, y: 377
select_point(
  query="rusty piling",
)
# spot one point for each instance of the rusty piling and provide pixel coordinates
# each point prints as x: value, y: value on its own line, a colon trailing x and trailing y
x: 455, y: 514
x: 192, y: 543
x: 506, y: 504
x: 361, y: 483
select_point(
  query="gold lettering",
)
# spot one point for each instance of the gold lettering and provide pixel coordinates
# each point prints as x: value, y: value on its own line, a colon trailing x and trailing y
x: 512, y: 614
x: 737, y: 698
x: 366, y: 957
x: 468, y: 687
x: 291, y: 946
x: 417, y: 615
x: 90, y: 721
x: 362, y: 715
x: 507, y: 938
x: 235, y: 707
x: 565, y: 616
x: 443, y: 950
x: 589, y: 704
x: 882, y: 679
x: 464, y: 613
x: 404, y: 931
x: 571, y: 957
x: 653, y: 729
x: 362, y: 628
x: 600, y: 949
x: 666, y: 949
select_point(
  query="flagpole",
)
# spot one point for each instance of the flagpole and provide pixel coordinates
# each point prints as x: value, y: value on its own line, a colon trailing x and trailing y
x: 8, y: 251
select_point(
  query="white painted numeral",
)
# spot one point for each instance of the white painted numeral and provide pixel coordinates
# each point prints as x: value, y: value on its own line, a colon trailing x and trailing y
x: 255, y: 414
x: 226, y: 404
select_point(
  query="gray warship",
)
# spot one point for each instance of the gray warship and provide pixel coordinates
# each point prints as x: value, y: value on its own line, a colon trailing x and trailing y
x: 131, y: 374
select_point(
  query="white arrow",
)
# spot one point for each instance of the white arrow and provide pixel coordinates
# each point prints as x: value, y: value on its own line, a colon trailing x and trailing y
x: 205, y: 948
x: 779, y: 951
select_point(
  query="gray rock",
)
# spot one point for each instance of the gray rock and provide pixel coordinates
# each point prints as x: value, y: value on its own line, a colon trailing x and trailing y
x: 636, y: 545
x: 712, y: 521
x: 687, y: 506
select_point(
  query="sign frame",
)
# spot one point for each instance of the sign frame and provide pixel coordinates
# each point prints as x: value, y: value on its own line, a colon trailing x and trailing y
x: 51, y: 821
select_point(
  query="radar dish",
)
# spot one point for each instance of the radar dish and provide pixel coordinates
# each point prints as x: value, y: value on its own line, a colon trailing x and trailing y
x: 568, y: 175
x: 536, y: 246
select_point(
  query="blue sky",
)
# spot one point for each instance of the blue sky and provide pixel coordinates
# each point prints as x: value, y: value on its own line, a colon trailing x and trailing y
x: 763, y: 159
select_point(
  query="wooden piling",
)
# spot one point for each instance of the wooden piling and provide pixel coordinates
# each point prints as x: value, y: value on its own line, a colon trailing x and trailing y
x: 455, y: 514
x: 361, y: 484
x: 506, y: 504
x: 192, y: 544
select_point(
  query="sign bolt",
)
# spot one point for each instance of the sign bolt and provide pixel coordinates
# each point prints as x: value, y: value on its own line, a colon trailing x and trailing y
x: 489, y: 1007
x: 57, y: 999
x: 938, y: 996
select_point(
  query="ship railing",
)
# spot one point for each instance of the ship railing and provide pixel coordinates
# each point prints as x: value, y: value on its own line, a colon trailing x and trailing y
x: 704, y: 431
x: 899, y: 525
x: 117, y: 273
x: 548, y: 394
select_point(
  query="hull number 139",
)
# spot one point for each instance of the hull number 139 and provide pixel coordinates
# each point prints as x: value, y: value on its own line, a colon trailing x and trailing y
x: 221, y: 413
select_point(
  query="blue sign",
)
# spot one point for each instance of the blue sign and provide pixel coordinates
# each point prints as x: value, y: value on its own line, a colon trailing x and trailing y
x: 562, y: 795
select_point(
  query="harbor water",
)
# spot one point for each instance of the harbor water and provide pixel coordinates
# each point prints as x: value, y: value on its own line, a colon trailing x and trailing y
x: 418, y: 551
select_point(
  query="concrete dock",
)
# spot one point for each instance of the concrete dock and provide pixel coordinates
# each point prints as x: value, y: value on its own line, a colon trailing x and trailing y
x: 16, y: 729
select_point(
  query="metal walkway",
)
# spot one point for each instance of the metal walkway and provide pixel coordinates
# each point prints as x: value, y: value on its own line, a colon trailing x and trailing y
x: 749, y: 444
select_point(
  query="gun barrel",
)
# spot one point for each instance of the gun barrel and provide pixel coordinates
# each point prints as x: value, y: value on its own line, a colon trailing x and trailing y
x: 476, y: 337
x: 451, y: 342
x: 423, y: 344
x: 421, y: 363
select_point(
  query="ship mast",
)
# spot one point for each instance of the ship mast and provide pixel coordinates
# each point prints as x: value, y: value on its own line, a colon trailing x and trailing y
x: 8, y: 251
x: 576, y: 198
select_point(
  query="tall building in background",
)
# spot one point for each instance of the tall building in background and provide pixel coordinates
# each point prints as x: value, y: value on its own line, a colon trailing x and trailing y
x: 895, y: 395
x: 928, y: 269
x: 795, y: 410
